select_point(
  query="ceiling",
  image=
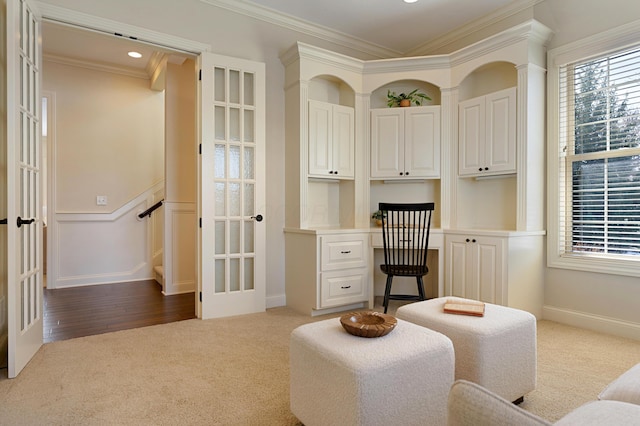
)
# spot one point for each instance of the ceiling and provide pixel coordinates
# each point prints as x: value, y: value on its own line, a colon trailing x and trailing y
x: 391, y: 26
x: 72, y: 44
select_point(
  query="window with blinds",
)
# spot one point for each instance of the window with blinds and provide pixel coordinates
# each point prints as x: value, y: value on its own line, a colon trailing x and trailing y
x: 599, y: 156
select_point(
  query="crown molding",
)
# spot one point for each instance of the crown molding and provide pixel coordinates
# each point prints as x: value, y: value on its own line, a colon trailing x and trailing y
x: 300, y: 25
x: 94, y: 66
x: 93, y: 23
x: 531, y: 30
x: 307, y: 51
x: 473, y: 27
x: 417, y: 63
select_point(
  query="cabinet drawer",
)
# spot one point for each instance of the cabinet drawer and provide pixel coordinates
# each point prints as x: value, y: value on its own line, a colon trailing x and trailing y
x: 343, y: 287
x: 343, y: 251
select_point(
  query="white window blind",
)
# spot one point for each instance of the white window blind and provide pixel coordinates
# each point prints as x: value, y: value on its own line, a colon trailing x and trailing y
x: 599, y: 156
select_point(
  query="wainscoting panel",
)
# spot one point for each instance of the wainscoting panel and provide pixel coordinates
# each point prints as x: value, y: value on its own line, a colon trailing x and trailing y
x: 101, y: 248
x: 180, y: 248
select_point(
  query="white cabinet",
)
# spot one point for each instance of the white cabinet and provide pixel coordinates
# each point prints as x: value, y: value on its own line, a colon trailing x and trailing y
x: 331, y: 140
x: 405, y: 142
x: 475, y: 267
x: 501, y: 267
x: 327, y: 271
x: 487, y: 134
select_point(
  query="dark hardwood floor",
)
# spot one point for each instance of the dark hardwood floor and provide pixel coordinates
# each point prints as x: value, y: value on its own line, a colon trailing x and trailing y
x: 96, y: 309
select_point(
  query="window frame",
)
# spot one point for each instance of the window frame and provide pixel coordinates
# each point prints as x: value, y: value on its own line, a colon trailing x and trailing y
x: 592, y: 47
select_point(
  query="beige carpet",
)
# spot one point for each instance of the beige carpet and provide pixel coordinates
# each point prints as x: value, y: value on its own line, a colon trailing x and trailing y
x: 234, y: 371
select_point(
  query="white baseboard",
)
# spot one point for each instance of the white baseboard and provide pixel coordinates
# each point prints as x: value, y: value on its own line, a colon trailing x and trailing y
x: 276, y: 301
x: 139, y: 273
x: 627, y: 329
x: 180, y: 288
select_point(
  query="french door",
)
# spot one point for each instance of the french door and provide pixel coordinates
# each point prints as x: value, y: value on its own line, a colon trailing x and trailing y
x: 24, y: 210
x: 231, y: 186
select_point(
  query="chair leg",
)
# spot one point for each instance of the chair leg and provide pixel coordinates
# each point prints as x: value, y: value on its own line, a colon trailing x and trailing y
x: 387, y: 292
x: 420, y: 288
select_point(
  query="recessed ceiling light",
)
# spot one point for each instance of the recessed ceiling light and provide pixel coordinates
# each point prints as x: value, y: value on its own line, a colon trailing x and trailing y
x: 135, y: 54
x: 410, y: 1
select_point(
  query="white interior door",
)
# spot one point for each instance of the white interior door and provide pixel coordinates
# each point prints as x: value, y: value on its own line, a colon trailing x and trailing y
x: 231, y: 186
x: 24, y: 213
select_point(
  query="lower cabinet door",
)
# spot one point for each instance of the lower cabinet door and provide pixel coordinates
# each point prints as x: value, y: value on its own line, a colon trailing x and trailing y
x: 343, y: 287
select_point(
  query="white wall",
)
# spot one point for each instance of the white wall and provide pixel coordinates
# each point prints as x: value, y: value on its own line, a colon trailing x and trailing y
x: 108, y: 140
x: 598, y: 301
x: 109, y: 137
x: 180, y: 231
x: 596, y: 296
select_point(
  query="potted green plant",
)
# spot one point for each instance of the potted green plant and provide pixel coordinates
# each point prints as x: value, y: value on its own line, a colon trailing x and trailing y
x: 378, y: 216
x: 406, y: 99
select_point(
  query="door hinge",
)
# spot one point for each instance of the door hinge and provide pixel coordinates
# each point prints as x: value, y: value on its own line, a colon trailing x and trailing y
x: 200, y: 75
x: 200, y: 222
x: 200, y: 149
x: 200, y: 297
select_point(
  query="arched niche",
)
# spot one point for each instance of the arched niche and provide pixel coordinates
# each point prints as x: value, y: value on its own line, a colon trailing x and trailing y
x: 487, y: 79
x: 331, y: 89
x: 379, y: 96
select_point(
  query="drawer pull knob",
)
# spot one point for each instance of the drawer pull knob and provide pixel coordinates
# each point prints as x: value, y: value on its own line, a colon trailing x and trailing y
x: 345, y: 287
x: 346, y: 252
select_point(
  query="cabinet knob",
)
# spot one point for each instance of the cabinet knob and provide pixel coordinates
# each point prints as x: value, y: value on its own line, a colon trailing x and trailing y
x: 473, y: 241
x: 486, y: 168
x: 468, y: 240
x: 335, y: 172
x: 406, y: 173
x: 401, y: 173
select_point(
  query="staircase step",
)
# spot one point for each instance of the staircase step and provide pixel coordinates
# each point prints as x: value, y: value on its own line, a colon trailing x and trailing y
x: 159, y: 270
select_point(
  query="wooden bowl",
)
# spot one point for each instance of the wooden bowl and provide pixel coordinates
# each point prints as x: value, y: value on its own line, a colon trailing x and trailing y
x: 368, y: 324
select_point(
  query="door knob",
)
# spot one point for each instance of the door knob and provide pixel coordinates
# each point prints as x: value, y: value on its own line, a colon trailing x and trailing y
x: 22, y: 221
x: 258, y: 217
x: 3, y: 221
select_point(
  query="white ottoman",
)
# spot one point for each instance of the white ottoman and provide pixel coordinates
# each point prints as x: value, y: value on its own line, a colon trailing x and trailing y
x: 496, y: 351
x: 402, y: 378
x: 625, y: 388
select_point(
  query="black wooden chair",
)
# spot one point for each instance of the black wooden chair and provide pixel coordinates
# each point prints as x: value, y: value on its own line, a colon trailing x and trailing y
x: 405, y: 236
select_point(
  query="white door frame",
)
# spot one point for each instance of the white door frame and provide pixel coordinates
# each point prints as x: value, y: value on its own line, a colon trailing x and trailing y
x: 93, y: 23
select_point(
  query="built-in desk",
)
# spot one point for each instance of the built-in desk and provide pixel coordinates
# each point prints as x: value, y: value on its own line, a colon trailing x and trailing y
x: 334, y: 269
x: 436, y: 243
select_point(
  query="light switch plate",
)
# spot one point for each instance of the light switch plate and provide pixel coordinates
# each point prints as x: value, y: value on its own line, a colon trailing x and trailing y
x: 101, y: 200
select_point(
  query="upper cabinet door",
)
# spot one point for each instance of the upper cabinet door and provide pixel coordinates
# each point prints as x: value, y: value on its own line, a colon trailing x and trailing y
x: 501, y: 131
x: 405, y: 143
x: 471, y: 134
x: 387, y: 143
x: 422, y: 142
x: 343, y: 142
x: 331, y: 140
x: 487, y: 134
x: 320, y: 146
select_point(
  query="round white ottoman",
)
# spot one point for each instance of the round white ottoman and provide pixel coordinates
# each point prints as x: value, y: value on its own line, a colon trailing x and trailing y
x: 402, y: 378
x: 496, y: 351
